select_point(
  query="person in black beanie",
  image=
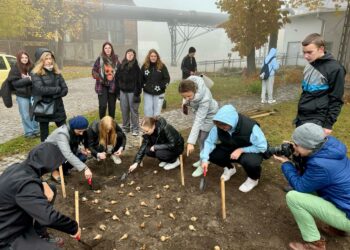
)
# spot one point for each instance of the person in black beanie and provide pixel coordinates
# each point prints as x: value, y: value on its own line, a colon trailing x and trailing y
x: 189, y: 64
x: 72, y: 141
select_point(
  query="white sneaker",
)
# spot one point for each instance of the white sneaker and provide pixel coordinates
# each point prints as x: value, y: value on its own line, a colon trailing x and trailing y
x: 197, y: 164
x: 228, y: 172
x: 248, y: 185
x: 271, y: 101
x: 162, y: 164
x: 116, y: 159
x: 263, y: 101
x: 173, y: 165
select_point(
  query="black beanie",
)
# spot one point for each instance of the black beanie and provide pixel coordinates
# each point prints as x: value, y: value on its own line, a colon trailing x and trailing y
x: 191, y: 50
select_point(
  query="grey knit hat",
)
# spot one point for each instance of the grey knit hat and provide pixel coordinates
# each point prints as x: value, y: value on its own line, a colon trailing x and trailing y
x: 309, y: 136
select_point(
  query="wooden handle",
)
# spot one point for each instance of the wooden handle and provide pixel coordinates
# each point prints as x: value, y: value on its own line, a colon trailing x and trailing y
x: 77, y: 206
x: 63, y: 185
x: 223, y: 198
x: 140, y: 143
x: 182, y: 171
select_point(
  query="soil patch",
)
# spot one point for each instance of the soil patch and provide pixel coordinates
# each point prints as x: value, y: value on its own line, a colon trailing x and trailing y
x: 256, y: 220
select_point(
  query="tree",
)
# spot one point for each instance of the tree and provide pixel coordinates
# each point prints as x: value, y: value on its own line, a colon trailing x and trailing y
x: 17, y: 16
x: 250, y: 24
x: 63, y: 17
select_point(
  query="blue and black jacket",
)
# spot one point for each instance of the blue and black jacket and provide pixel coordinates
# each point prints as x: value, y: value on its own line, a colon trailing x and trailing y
x: 323, y: 89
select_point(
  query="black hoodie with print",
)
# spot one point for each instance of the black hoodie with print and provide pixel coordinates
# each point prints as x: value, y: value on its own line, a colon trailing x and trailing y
x: 323, y: 89
x: 22, y: 196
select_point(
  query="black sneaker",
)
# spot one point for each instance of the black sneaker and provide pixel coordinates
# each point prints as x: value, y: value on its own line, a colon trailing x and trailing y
x: 58, y: 241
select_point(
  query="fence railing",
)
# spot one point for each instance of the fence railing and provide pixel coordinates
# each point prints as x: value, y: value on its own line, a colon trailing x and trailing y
x: 229, y: 65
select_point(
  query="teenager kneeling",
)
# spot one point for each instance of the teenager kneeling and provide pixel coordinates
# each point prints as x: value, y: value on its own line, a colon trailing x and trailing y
x: 25, y: 199
x: 68, y: 138
x: 322, y: 191
x: 161, y: 141
x: 240, y: 140
x: 106, y: 137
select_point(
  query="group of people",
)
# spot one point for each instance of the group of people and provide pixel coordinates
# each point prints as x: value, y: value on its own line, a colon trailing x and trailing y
x: 320, y: 190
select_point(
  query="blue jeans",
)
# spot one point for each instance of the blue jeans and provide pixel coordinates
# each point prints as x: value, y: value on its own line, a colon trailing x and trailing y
x: 31, y: 127
x: 152, y: 104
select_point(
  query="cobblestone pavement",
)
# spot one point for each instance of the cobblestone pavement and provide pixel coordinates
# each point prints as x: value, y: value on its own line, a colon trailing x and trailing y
x: 82, y: 99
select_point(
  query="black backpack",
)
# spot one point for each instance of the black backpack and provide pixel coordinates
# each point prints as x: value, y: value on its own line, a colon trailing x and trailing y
x: 6, y: 93
x: 265, y: 72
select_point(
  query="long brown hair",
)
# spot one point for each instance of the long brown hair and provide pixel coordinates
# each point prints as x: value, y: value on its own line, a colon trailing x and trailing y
x: 24, y: 68
x: 159, y: 63
x: 107, y: 133
x: 39, y: 65
x: 113, y: 57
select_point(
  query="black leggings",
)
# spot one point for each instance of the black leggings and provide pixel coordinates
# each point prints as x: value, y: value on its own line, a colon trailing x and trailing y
x: 163, y: 155
x: 44, y: 129
x: 251, y: 162
x: 106, y: 98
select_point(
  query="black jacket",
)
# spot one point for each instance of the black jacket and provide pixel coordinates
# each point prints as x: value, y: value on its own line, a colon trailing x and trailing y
x: 188, y: 64
x: 50, y: 87
x: 93, y: 138
x: 164, y: 136
x: 154, y: 81
x: 128, y: 79
x: 323, y: 89
x: 22, y: 196
x: 22, y: 86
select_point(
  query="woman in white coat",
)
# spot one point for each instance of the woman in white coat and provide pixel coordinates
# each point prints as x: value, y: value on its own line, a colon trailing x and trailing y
x: 198, y: 97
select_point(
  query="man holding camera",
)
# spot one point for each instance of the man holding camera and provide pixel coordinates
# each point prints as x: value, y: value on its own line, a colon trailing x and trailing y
x: 322, y: 191
x: 323, y: 85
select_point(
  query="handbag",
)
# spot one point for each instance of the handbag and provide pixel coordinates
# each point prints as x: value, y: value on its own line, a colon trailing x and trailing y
x: 42, y: 108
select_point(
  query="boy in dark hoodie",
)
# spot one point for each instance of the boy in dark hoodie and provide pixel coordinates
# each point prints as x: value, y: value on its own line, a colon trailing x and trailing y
x: 24, y: 198
x: 323, y: 86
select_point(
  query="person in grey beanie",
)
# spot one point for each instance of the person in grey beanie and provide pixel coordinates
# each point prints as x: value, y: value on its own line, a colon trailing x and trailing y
x: 322, y: 190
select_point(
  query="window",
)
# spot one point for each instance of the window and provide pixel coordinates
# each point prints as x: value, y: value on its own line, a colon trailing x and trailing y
x: 11, y: 61
x: 2, y: 63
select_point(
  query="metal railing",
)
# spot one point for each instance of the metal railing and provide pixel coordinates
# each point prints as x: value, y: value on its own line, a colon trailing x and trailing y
x: 233, y: 65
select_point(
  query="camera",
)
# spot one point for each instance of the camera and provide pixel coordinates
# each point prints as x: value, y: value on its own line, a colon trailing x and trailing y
x: 285, y: 149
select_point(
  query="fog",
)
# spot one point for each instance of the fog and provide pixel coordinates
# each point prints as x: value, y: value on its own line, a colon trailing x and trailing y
x: 212, y: 45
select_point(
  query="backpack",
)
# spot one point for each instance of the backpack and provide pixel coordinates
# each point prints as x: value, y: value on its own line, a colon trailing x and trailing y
x: 265, y: 72
x: 6, y: 93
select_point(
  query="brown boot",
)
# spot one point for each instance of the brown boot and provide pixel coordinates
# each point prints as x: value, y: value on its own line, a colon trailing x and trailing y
x: 314, y: 245
x: 332, y: 231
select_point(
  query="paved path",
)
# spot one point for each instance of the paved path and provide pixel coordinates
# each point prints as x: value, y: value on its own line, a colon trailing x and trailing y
x: 80, y: 103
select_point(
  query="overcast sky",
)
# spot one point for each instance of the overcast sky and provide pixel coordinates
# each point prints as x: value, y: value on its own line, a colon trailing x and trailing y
x: 198, y: 5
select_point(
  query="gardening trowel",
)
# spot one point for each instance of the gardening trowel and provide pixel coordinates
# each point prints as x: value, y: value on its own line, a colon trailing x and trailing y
x: 90, y: 183
x: 203, y: 182
x: 124, y: 176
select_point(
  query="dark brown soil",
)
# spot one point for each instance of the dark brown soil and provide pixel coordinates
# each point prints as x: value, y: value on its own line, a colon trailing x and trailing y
x: 256, y: 220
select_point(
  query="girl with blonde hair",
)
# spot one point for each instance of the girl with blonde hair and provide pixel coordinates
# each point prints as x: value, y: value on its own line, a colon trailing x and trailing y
x: 48, y: 87
x: 106, y: 137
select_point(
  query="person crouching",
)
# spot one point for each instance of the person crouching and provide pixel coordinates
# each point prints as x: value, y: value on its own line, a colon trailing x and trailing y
x: 106, y: 137
x: 161, y: 141
x: 322, y: 191
x: 240, y: 140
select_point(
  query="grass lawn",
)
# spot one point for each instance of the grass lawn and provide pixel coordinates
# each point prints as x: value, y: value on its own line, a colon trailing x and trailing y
x: 277, y: 127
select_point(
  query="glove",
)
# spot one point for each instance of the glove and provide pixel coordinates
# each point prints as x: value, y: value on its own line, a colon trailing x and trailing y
x: 136, y: 99
x: 185, y: 109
